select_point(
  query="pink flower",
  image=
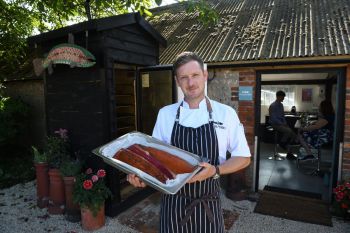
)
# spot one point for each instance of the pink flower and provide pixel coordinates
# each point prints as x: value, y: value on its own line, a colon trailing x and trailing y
x: 62, y: 133
x: 340, y: 196
x: 87, y: 184
x: 94, y: 178
x: 88, y: 171
x: 101, y: 173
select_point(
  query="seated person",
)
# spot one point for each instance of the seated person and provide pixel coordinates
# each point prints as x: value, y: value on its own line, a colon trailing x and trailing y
x: 279, y: 123
x: 318, y: 133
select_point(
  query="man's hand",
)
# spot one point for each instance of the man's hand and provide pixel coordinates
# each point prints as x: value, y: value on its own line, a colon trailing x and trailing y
x: 135, y: 181
x: 207, y: 171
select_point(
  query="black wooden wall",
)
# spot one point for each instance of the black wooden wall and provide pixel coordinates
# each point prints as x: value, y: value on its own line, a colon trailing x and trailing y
x: 125, y: 45
x: 82, y: 100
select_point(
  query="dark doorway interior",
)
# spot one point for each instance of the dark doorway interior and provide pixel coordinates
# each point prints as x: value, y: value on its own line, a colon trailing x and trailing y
x: 304, y: 89
x: 156, y: 90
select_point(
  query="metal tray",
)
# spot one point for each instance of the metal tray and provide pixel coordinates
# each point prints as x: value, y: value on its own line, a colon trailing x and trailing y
x: 107, y: 151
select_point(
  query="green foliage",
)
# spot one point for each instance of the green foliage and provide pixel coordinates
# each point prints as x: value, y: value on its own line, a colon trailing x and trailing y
x: 39, y: 157
x: 22, y: 18
x: 16, y: 166
x: 90, y: 190
x: 13, y: 118
x: 70, y: 168
x: 57, y: 150
x: 206, y: 14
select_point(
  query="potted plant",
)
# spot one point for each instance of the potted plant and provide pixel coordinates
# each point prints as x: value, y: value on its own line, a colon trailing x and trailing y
x: 42, y: 178
x: 69, y: 170
x: 57, y: 150
x: 342, y: 199
x: 90, y: 192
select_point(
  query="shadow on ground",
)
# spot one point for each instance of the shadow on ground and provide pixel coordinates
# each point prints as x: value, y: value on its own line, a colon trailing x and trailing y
x: 144, y: 217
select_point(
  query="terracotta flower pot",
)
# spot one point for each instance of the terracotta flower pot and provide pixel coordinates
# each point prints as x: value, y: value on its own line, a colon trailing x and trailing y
x: 57, y: 196
x: 72, y: 210
x: 42, y: 184
x: 90, y: 222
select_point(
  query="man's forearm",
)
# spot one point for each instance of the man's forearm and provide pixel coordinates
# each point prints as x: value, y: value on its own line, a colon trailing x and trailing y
x: 234, y: 164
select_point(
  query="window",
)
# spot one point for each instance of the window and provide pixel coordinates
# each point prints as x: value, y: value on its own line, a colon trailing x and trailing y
x: 268, y: 95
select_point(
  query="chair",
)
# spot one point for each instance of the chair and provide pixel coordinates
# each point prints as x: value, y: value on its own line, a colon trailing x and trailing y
x: 276, y: 155
x: 317, y: 159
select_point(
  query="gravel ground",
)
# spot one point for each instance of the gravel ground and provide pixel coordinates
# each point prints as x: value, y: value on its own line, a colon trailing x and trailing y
x: 18, y: 213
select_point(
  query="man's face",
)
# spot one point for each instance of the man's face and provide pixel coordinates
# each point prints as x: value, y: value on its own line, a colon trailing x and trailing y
x: 280, y: 98
x: 191, y: 79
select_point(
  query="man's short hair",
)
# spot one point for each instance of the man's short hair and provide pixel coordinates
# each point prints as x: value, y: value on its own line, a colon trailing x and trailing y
x: 280, y: 93
x: 186, y: 57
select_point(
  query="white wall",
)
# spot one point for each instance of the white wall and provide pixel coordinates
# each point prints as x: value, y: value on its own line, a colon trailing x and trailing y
x: 318, y: 92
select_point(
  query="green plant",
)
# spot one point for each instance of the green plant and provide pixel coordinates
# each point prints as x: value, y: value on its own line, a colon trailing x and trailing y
x: 70, y: 167
x: 39, y: 157
x: 13, y: 118
x: 57, y: 148
x: 342, y: 198
x: 90, y: 190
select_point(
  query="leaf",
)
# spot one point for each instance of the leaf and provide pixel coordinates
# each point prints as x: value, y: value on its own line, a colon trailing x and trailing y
x: 147, y: 12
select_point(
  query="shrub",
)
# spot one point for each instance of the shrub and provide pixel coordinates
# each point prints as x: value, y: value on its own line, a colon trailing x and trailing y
x: 13, y: 115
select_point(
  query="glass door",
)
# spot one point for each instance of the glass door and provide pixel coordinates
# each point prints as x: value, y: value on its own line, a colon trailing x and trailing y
x: 155, y: 90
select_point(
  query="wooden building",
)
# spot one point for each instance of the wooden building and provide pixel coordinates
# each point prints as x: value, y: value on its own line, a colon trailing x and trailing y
x: 98, y: 104
x: 297, y: 46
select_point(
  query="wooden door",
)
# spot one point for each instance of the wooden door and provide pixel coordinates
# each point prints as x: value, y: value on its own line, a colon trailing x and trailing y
x: 125, y: 101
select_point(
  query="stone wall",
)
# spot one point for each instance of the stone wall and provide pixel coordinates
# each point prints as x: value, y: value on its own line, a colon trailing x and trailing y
x: 223, y: 86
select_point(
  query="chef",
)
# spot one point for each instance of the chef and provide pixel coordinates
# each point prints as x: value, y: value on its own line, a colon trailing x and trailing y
x: 209, y: 129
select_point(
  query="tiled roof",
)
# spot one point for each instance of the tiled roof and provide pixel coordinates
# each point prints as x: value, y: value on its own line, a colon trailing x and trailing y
x: 258, y: 30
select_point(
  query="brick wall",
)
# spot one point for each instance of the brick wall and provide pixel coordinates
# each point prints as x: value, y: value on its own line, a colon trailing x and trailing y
x: 346, y: 151
x: 246, y: 111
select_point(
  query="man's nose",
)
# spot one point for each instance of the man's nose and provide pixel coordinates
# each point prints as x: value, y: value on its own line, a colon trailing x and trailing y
x: 190, y: 81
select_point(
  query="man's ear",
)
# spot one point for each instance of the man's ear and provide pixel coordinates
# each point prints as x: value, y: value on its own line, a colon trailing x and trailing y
x: 177, y: 83
x: 205, y: 73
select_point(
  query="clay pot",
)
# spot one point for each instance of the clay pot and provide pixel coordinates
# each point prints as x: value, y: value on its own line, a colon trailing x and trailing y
x: 42, y: 184
x: 57, y: 196
x: 89, y: 222
x: 72, y: 210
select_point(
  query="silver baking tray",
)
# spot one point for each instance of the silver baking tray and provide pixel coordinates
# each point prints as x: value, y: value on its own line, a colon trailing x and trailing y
x: 107, y: 151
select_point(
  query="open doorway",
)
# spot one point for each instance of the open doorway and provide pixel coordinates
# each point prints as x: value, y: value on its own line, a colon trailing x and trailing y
x: 304, y: 90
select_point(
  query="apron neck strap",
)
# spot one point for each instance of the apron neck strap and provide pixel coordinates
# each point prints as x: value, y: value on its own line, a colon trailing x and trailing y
x: 210, y: 110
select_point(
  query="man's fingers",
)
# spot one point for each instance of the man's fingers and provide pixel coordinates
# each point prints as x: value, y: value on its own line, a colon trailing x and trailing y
x: 135, y: 181
x: 204, y: 174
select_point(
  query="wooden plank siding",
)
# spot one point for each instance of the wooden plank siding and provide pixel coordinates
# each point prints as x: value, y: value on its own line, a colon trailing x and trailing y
x: 74, y: 100
x: 131, y: 45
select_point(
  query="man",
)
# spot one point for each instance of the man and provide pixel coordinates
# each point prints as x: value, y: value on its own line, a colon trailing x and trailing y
x: 206, y: 128
x: 279, y: 123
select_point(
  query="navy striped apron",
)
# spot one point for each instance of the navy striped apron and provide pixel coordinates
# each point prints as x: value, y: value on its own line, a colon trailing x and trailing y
x: 196, y: 208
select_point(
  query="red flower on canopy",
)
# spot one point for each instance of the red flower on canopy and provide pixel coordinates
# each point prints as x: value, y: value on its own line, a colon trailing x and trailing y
x: 101, y: 173
x: 87, y: 184
x: 344, y: 206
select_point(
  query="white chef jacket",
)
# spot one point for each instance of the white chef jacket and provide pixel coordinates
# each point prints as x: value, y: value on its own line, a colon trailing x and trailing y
x: 229, y: 130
